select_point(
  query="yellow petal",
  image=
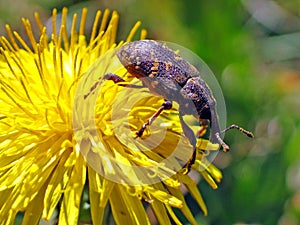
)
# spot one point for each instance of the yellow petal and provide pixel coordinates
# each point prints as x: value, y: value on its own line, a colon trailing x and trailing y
x: 173, y: 215
x: 35, y: 208
x: 127, y: 209
x: 158, y: 192
x: 185, y: 209
x: 56, y: 186
x: 160, y: 212
x: 100, y: 190
x: 194, y: 191
x: 70, y: 206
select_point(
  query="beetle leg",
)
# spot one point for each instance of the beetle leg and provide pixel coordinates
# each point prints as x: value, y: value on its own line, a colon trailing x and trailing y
x: 166, y: 105
x: 91, y: 89
x: 204, y: 125
x: 191, y: 136
x: 113, y: 77
x: 116, y: 79
x: 110, y: 76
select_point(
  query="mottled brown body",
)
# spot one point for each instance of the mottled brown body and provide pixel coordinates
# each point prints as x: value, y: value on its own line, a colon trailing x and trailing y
x: 172, y: 77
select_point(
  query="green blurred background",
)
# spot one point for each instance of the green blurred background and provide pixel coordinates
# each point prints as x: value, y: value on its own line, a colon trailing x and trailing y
x: 253, y: 47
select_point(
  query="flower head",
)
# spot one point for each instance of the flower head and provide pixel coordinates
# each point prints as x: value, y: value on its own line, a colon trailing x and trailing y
x: 41, y: 167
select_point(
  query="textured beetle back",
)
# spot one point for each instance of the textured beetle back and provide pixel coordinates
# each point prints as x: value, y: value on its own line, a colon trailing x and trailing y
x: 151, y: 58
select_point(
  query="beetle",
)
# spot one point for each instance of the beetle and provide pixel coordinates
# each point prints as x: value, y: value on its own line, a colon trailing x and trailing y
x: 167, y: 74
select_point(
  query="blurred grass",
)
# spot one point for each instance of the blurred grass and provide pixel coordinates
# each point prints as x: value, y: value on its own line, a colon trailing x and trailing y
x: 258, y: 69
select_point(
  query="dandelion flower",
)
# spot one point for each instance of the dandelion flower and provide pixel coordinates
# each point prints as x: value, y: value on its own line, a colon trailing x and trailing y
x: 41, y: 167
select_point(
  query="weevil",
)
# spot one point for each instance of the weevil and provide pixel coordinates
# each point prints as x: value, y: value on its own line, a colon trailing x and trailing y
x: 173, y: 78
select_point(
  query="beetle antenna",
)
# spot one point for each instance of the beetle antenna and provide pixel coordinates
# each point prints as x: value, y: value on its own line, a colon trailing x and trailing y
x: 233, y: 126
